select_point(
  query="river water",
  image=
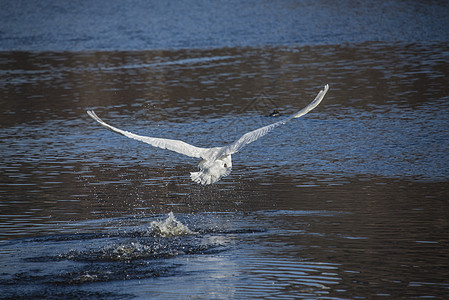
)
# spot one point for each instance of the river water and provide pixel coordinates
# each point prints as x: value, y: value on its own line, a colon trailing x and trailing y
x: 348, y: 202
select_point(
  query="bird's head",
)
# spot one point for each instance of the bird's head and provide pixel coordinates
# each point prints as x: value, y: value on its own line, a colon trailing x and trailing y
x: 226, y: 163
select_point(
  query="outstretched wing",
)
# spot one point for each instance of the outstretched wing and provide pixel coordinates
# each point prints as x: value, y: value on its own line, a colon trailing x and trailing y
x: 173, y: 145
x: 258, y: 133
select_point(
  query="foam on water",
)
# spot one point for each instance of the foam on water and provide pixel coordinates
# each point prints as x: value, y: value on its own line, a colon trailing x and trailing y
x: 169, y: 227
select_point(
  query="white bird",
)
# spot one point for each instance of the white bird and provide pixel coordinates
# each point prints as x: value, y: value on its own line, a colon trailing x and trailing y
x: 215, y: 162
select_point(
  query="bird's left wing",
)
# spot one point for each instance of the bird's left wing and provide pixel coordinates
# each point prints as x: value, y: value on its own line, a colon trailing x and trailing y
x: 258, y: 133
x: 173, y: 145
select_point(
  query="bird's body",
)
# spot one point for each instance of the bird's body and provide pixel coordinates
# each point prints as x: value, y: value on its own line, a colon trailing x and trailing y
x: 215, y: 162
x: 212, y: 170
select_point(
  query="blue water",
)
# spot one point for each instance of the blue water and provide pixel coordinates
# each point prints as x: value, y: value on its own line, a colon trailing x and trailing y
x: 347, y: 202
x: 144, y: 25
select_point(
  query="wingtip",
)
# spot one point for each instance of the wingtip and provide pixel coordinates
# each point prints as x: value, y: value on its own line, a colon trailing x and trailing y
x: 324, y: 91
x: 93, y: 115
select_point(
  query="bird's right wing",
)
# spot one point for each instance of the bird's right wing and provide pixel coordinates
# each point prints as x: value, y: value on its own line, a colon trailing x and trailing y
x: 173, y: 145
x: 251, y: 136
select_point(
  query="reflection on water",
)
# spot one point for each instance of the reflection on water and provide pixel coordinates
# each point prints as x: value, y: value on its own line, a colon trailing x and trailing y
x: 350, y: 201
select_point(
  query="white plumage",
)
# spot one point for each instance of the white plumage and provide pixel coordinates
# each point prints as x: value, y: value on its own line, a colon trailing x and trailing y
x: 215, y: 162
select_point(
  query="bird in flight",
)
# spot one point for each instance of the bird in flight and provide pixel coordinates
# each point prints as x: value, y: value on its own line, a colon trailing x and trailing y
x: 215, y: 162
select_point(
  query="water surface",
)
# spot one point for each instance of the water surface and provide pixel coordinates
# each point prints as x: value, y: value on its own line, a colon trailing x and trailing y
x: 347, y: 202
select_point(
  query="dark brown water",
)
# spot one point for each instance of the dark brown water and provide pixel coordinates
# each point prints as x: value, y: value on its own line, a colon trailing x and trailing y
x: 348, y: 202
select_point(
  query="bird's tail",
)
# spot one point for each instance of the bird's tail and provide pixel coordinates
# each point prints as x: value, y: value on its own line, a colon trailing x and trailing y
x: 201, y: 178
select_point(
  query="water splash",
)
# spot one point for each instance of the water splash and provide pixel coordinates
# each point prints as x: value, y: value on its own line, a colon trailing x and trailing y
x: 170, y: 227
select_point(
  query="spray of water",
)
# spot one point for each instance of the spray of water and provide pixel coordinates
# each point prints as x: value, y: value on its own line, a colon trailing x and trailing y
x: 170, y: 227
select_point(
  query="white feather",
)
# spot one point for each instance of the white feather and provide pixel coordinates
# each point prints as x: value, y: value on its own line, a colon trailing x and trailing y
x: 216, y: 162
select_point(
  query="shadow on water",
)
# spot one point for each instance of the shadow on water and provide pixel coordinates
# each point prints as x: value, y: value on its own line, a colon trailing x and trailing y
x: 350, y: 201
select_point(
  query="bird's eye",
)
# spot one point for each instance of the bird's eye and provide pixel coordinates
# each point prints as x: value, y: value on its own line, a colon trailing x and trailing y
x: 225, y: 165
